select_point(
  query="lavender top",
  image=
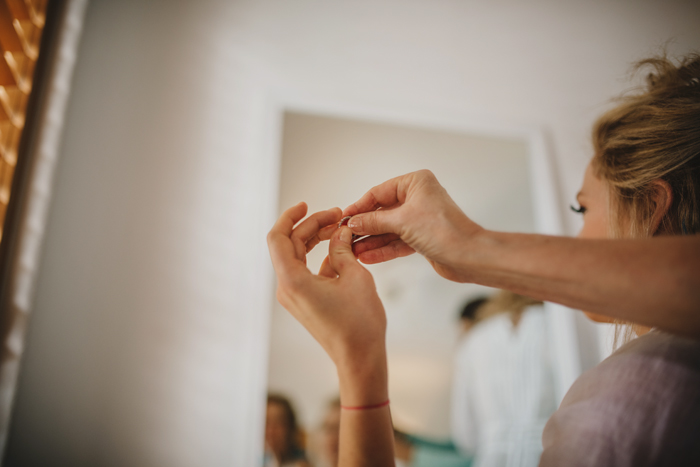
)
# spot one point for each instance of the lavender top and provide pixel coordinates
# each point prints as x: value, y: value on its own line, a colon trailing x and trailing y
x: 639, y: 407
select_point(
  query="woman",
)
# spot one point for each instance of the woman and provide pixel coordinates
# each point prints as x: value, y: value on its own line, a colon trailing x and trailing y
x: 282, y: 447
x: 643, y: 181
x: 649, y: 282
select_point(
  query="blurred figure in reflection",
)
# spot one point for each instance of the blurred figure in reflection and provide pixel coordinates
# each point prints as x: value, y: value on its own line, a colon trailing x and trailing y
x: 503, y: 388
x: 468, y: 315
x: 283, y: 447
x: 329, y: 436
x: 403, y: 449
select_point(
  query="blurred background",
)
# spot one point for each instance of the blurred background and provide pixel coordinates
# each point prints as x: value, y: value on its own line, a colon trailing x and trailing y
x: 150, y: 324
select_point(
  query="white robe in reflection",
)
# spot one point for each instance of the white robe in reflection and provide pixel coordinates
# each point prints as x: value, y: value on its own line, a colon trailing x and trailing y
x: 503, y: 390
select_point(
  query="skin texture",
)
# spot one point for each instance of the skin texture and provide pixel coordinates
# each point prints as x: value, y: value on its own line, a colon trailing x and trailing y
x: 628, y: 280
x: 341, y: 309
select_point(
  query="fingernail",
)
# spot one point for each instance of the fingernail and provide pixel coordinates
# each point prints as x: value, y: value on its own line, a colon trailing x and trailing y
x: 346, y: 236
x: 355, y: 223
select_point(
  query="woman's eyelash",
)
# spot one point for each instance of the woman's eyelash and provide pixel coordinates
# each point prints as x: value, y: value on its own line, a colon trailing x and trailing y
x: 579, y: 210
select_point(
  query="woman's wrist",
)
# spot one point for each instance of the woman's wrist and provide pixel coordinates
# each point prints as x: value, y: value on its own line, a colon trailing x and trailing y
x: 363, y: 378
x: 468, y: 250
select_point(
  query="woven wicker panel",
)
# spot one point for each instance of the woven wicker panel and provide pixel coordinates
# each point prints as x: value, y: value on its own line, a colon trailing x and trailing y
x: 21, y: 24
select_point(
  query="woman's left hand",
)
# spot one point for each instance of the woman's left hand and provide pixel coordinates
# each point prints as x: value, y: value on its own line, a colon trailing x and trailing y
x: 339, y: 306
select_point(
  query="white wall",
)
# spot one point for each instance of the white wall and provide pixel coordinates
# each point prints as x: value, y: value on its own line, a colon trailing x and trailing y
x: 151, y: 307
x: 153, y: 291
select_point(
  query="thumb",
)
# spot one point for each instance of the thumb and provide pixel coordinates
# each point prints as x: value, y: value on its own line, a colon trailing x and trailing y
x: 376, y: 222
x: 340, y: 252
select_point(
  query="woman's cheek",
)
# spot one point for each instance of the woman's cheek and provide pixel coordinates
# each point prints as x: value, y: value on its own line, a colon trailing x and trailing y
x: 594, y: 226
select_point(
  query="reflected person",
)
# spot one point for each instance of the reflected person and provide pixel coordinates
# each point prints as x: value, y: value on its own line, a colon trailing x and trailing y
x: 503, y: 384
x: 282, y: 435
x: 468, y: 315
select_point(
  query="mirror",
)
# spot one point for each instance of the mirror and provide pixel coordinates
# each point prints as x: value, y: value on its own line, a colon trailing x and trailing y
x: 329, y: 161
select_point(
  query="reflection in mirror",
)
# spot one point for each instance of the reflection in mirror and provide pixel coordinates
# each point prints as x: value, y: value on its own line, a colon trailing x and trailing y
x: 328, y: 161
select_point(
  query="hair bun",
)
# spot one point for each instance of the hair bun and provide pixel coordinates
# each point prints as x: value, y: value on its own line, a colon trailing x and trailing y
x: 666, y: 76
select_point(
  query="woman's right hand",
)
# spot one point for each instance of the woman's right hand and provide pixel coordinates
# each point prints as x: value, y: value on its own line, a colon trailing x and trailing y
x: 413, y: 213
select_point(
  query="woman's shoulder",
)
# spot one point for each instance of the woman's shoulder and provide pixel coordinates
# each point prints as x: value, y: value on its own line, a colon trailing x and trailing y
x: 656, y: 359
x: 661, y: 346
x: 638, y: 407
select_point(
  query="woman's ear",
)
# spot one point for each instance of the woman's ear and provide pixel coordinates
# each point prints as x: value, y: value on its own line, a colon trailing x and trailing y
x: 662, y: 197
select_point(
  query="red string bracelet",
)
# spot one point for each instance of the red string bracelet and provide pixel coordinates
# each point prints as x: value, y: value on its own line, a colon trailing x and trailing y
x: 366, y: 407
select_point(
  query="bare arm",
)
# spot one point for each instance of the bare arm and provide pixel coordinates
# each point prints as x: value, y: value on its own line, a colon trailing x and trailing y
x: 341, y: 309
x: 653, y: 282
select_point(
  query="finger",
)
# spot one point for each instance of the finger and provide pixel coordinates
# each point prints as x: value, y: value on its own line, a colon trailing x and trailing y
x: 386, y: 194
x: 311, y: 226
x: 392, y: 250
x: 378, y: 222
x: 311, y: 244
x: 308, y: 229
x: 340, y: 253
x: 285, y: 223
x: 373, y: 242
x: 282, y: 251
x: 326, y: 269
x: 327, y: 232
x: 320, y: 236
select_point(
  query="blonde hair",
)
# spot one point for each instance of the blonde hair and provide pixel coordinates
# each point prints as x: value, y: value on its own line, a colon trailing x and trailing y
x: 505, y: 301
x: 653, y: 134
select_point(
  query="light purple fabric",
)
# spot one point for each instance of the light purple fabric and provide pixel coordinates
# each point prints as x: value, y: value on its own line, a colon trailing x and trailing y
x: 639, y: 407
